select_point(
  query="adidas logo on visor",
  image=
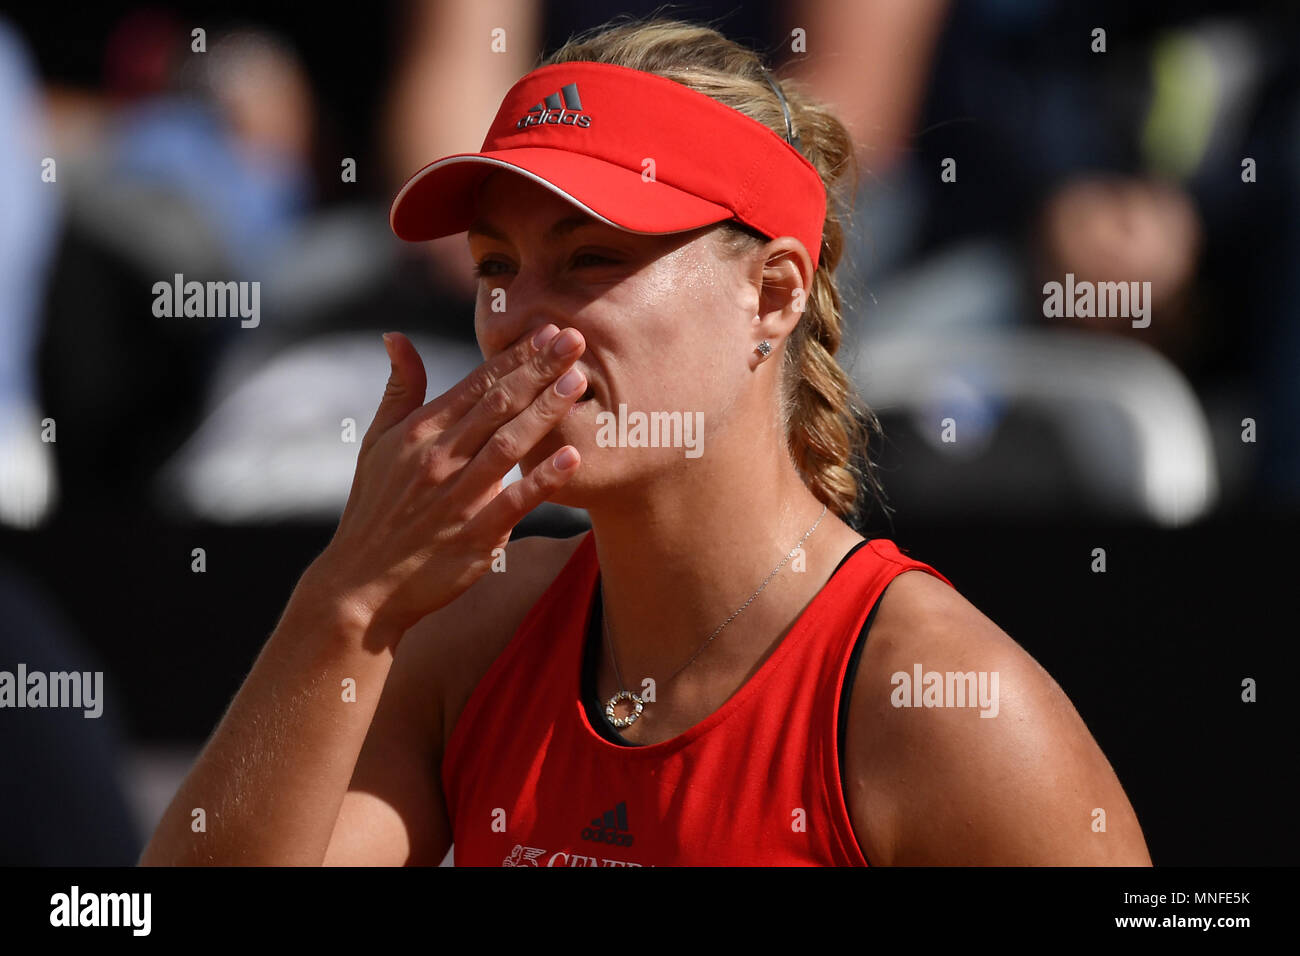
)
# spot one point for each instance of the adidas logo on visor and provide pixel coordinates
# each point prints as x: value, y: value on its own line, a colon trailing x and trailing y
x: 563, y: 108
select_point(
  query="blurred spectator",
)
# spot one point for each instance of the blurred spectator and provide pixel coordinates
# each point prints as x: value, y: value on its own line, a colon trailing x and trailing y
x: 232, y: 136
x: 1115, y: 165
x: 205, y: 176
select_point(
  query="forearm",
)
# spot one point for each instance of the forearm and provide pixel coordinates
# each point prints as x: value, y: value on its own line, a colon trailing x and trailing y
x: 272, y: 777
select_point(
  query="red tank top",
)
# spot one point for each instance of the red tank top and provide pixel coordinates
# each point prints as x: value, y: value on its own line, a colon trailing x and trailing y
x: 533, y: 776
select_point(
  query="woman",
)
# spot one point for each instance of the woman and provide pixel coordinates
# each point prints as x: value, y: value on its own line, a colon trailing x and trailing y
x: 691, y: 681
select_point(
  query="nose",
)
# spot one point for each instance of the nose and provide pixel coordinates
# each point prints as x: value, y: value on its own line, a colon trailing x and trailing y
x: 504, y: 316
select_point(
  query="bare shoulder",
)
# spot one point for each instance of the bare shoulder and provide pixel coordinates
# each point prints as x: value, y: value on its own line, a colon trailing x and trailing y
x: 961, y: 749
x: 394, y: 811
x: 459, y: 642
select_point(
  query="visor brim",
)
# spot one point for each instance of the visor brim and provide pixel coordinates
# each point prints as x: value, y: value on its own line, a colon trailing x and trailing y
x: 441, y: 199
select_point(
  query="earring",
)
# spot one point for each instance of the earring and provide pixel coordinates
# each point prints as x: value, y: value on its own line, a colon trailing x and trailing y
x: 763, y: 348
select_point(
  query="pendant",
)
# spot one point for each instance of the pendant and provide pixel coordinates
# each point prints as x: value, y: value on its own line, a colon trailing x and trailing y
x: 631, y: 718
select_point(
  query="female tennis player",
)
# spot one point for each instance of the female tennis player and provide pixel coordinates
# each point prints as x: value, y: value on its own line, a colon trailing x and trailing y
x: 722, y: 671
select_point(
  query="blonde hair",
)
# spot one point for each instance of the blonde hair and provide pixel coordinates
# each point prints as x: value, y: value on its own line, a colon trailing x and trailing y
x: 827, y: 425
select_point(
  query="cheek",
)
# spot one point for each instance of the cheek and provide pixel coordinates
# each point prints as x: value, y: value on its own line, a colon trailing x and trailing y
x: 678, y: 374
x: 681, y: 339
x: 693, y: 346
x: 480, y: 330
x: 692, y: 298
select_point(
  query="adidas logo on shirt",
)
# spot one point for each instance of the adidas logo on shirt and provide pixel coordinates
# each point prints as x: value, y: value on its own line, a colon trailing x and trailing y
x: 611, y: 828
x: 563, y: 108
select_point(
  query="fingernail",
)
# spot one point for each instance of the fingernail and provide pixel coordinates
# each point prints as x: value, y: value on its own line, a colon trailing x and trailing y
x: 388, y: 344
x: 544, y: 335
x: 566, y: 459
x: 569, y: 382
x: 568, y: 343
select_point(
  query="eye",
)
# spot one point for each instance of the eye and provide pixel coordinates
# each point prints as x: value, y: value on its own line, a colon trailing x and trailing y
x: 486, y: 268
x: 591, y: 255
x: 483, y: 270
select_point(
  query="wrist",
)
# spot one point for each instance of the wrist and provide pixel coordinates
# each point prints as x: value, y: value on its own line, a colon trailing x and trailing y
x: 319, y: 602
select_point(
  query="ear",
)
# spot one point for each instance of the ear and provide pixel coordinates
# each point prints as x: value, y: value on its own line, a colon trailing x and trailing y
x: 787, y: 276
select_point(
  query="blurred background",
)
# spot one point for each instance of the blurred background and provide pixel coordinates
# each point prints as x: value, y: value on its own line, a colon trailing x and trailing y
x: 1004, y: 144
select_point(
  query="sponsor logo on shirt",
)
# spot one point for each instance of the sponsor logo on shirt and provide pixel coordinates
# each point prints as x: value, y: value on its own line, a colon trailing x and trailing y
x: 531, y: 856
x: 610, y: 828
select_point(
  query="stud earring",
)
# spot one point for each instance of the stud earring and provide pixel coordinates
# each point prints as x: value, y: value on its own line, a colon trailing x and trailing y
x: 764, y: 348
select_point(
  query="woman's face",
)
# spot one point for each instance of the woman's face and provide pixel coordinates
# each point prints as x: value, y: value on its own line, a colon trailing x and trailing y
x: 666, y: 319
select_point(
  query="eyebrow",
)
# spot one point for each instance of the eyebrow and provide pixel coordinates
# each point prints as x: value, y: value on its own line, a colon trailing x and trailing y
x: 559, y: 229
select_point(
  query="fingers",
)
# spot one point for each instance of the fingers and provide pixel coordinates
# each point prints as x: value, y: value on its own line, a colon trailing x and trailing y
x: 450, y: 407
x: 512, y: 505
x: 405, y: 390
x: 512, y: 440
x: 502, y: 422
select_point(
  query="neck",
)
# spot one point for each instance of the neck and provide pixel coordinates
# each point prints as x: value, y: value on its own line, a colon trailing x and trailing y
x: 681, y: 558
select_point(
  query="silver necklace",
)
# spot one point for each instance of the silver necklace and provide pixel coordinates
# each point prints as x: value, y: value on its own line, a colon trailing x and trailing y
x: 638, y: 702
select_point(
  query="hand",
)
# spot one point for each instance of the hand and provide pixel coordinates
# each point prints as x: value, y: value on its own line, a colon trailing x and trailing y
x: 427, y: 509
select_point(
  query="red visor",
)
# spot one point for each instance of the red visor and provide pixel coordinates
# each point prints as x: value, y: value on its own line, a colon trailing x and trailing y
x: 589, y: 131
